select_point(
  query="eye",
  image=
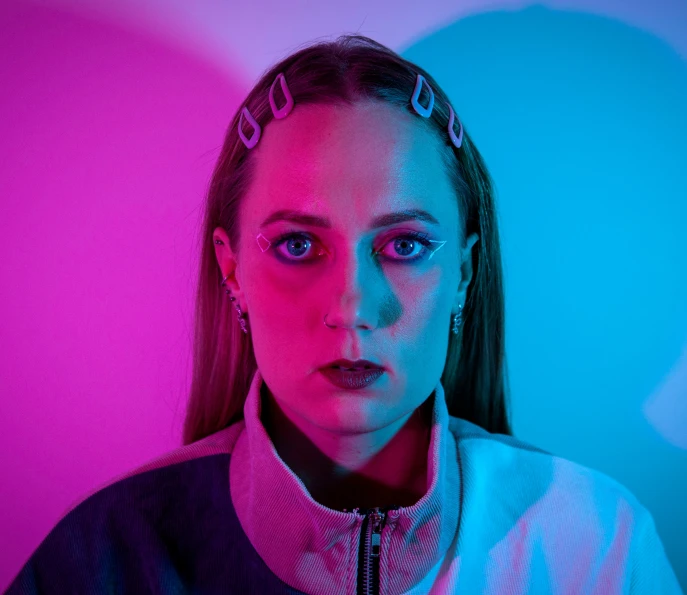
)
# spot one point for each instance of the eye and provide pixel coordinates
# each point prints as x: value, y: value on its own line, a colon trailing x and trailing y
x: 409, y: 243
x: 414, y: 244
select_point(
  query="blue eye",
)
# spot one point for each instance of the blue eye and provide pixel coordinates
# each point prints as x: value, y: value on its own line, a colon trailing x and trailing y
x: 405, y: 241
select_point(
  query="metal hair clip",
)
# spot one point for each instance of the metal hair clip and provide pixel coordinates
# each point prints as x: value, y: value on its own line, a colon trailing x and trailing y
x: 281, y: 113
x: 425, y: 112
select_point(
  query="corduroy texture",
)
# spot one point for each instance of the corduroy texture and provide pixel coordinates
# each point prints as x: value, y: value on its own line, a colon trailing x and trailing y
x: 500, y: 516
x: 321, y: 556
x: 226, y: 515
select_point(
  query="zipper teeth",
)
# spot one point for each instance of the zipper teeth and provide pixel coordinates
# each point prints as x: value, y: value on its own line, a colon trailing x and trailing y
x: 367, y: 571
x: 375, y: 520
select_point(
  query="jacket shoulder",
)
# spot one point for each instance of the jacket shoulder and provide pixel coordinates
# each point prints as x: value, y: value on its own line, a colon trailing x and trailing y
x: 144, y: 516
x: 221, y: 442
x: 566, y: 513
x: 514, y: 460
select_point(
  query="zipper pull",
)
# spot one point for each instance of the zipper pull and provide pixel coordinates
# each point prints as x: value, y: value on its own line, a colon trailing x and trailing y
x: 376, y: 518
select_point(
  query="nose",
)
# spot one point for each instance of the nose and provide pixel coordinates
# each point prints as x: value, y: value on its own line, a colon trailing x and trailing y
x: 353, y: 292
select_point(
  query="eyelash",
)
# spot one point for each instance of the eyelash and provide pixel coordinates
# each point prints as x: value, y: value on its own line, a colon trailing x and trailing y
x: 412, y: 235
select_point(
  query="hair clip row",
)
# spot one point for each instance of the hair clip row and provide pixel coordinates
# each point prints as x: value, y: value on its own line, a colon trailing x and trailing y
x: 284, y: 111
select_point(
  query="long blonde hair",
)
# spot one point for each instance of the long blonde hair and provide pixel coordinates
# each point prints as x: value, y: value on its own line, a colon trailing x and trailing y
x: 349, y: 69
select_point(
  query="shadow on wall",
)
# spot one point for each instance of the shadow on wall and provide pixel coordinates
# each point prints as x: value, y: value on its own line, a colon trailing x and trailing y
x: 583, y: 124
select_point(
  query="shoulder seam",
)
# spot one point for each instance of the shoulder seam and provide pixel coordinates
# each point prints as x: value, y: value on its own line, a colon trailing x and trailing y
x: 503, y: 439
x: 221, y: 442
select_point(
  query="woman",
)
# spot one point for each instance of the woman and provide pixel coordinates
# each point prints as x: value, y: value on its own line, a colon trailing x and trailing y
x: 348, y: 430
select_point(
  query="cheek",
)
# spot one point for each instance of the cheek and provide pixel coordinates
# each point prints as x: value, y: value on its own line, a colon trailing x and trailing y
x: 282, y: 323
x: 278, y: 306
x: 418, y: 307
x: 289, y: 303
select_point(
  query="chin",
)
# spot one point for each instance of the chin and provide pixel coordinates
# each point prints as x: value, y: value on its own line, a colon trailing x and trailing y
x: 349, y: 415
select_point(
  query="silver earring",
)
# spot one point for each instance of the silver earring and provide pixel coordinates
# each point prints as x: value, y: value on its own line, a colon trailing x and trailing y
x: 457, y: 320
x: 242, y: 320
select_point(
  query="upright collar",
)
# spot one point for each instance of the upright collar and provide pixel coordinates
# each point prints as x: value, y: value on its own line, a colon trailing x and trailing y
x: 314, y: 548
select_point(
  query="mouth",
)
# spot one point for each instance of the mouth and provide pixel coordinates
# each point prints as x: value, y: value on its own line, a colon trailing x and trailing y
x: 353, y: 366
x: 352, y: 378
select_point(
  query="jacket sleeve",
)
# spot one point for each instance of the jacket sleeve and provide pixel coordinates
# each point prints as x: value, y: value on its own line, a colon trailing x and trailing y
x: 56, y: 566
x: 68, y: 560
x: 26, y: 582
x: 651, y: 572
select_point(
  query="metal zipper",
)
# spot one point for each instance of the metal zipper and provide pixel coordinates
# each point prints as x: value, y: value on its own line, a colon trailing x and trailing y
x: 369, y: 552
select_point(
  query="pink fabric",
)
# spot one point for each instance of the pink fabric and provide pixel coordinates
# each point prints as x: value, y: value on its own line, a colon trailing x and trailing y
x: 314, y: 548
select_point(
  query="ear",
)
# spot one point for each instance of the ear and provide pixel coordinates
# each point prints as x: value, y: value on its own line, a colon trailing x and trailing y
x: 465, y: 271
x: 228, y: 265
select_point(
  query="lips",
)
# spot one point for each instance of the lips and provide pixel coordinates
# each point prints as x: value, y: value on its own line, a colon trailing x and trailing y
x: 360, y: 364
x: 353, y: 380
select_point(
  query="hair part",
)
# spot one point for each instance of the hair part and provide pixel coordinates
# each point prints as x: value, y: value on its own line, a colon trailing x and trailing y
x: 348, y: 70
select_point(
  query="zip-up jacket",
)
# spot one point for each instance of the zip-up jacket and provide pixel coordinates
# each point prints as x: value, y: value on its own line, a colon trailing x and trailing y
x: 227, y: 515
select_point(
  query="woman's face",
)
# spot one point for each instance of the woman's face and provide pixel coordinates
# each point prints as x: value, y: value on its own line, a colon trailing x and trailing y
x: 348, y: 165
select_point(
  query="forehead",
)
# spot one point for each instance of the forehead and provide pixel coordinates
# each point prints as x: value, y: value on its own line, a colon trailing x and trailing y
x: 349, y: 162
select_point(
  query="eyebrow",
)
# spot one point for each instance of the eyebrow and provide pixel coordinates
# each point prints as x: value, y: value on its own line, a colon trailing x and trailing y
x: 377, y: 222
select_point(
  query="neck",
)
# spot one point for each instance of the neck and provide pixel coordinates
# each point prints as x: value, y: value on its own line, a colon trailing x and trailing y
x: 380, y: 468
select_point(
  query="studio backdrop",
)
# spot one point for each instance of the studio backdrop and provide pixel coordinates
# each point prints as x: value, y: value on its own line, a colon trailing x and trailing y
x: 112, y: 119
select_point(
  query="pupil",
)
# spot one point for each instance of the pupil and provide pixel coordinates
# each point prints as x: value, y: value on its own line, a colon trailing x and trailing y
x: 299, y: 245
x: 405, y: 243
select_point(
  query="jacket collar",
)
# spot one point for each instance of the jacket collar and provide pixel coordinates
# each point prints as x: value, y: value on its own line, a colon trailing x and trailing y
x: 314, y: 548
